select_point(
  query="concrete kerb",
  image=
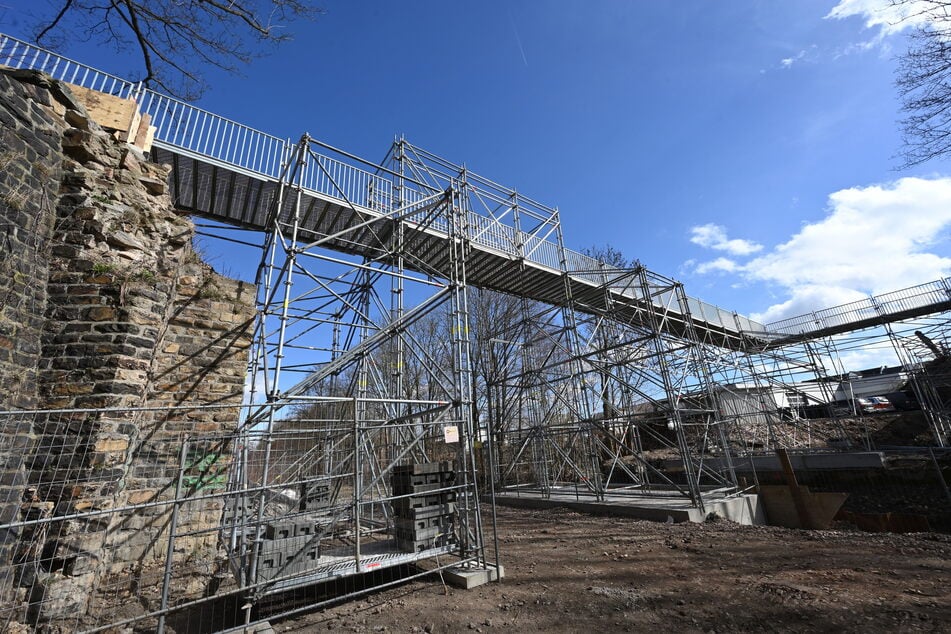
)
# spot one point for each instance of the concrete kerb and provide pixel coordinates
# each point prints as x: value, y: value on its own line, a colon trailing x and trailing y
x: 742, y: 509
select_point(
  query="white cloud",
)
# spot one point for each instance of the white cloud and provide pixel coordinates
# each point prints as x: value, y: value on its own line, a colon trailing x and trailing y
x: 805, y: 299
x: 873, y: 239
x: 259, y: 395
x: 713, y: 236
x: 882, y: 18
x: 806, y: 55
x: 869, y: 357
x: 720, y: 265
x: 887, y: 17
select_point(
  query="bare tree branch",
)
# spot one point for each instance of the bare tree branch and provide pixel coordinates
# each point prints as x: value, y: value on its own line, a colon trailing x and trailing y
x: 177, y: 40
x: 56, y: 20
x: 924, y: 81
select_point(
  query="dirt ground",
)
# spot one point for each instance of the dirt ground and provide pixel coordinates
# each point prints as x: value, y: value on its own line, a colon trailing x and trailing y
x: 573, y: 573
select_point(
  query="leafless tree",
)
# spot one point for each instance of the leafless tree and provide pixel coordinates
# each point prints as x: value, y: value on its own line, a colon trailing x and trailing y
x: 924, y: 81
x: 175, y: 39
x: 428, y: 350
x: 601, y: 333
x: 492, y: 315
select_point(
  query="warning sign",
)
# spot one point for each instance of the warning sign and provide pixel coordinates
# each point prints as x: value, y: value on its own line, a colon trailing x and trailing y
x: 451, y: 433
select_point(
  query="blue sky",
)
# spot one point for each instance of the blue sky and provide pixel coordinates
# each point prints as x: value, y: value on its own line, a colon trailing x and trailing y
x: 746, y: 148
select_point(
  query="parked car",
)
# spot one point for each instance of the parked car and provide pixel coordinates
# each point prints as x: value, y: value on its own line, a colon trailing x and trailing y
x: 874, y: 404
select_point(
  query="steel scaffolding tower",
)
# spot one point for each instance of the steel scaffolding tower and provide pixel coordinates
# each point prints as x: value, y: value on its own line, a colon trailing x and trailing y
x: 659, y: 412
x: 379, y: 469
x: 654, y: 390
x: 359, y: 451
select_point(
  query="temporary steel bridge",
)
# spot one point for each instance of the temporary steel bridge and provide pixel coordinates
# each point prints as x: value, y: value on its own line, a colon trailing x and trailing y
x: 593, y: 365
x: 229, y: 172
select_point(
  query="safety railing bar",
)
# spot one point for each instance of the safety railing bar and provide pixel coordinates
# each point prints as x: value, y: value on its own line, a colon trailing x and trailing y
x: 918, y: 296
x: 206, y: 133
x: 406, y: 179
x: 454, y: 170
x: 6, y: 60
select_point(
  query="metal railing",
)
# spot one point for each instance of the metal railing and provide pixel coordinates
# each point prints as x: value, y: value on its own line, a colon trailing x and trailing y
x: 179, y: 125
x: 187, y: 129
x: 881, y: 306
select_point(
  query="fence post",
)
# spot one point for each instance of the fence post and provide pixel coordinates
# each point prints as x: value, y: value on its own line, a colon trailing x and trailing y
x: 173, y: 526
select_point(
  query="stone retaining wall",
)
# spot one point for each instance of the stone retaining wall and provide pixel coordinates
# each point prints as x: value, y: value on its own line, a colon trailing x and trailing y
x: 105, y: 306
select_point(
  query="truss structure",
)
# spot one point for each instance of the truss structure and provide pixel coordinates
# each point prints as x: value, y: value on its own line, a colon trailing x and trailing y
x: 423, y: 331
x: 922, y: 348
x: 353, y: 397
x: 591, y: 401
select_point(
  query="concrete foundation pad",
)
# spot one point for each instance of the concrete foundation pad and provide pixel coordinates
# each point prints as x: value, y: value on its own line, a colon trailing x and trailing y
x: 742, y: 509
x: 466, y: 577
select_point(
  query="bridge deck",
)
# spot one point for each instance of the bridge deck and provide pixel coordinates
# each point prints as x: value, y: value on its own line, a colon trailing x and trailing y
x: 221, y: 192
x: 227, y: 171
x: 908, y: 303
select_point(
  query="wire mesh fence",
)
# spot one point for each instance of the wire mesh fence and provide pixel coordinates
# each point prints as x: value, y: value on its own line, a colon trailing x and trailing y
x: 103, y: 527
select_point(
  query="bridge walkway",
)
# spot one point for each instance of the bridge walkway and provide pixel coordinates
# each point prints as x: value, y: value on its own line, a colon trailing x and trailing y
x: 229, y: 172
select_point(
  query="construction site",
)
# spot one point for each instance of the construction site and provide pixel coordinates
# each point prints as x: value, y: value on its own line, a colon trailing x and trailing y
x: 424, y: 387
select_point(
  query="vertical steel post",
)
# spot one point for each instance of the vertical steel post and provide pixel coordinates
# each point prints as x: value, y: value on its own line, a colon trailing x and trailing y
x: 673, y: 397
x: 398, y: 299
x: 173, y: 526
x: 576, y: 369
x: 357, y: 481
x: 288, y: 267
x: 462, y: 370
x: 706, y: 378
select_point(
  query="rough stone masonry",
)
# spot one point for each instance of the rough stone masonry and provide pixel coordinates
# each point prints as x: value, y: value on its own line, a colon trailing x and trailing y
x: 104, y: 305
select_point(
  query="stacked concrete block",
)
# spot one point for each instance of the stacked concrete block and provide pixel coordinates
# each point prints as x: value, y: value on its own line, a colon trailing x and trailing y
x: 291, y: 546
x: 238, y: 512
x: 424, y: 506
x: 314, y: 496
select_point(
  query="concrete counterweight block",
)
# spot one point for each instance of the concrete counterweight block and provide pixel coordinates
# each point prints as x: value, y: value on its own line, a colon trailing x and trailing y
x: 424, y: 513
